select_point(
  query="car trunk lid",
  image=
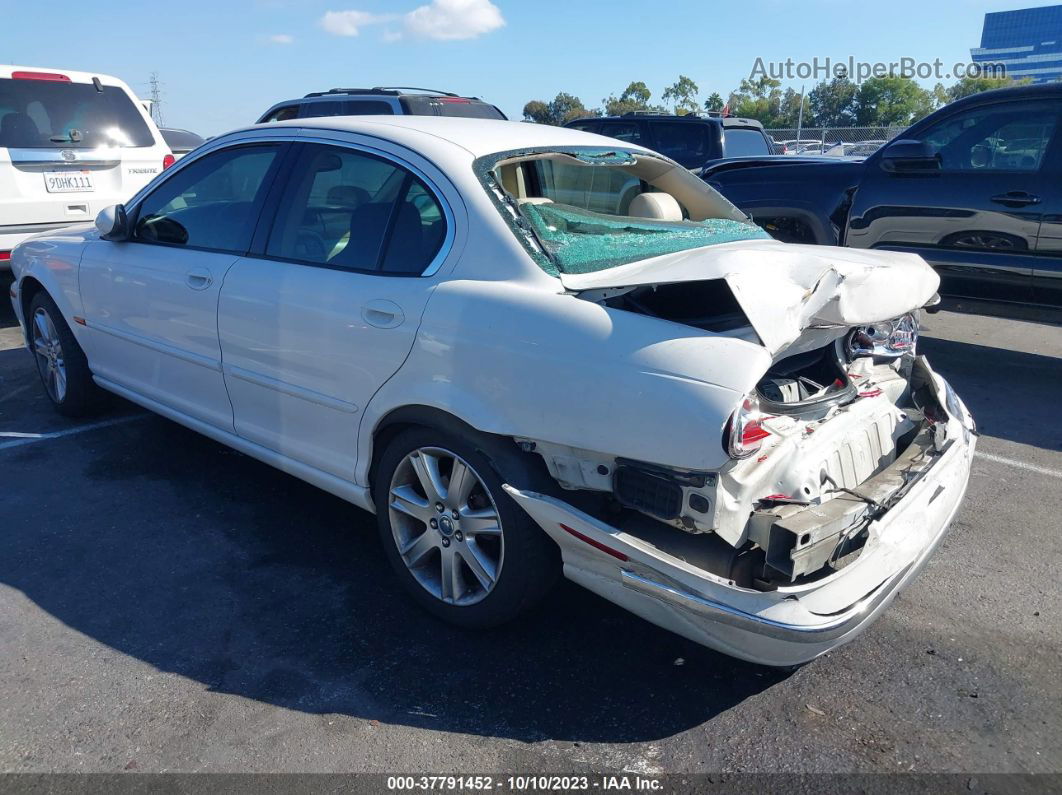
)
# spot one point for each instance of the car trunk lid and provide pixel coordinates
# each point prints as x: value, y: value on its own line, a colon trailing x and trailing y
x: 785, y: 289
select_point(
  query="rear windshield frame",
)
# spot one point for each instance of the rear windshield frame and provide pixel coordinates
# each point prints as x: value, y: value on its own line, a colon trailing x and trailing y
x: 112, y: 104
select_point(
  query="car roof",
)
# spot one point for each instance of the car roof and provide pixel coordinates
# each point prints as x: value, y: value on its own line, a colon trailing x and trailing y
x: 689, y: 118
x: 6, y: 70
x: 1034, y: 91
x: 477, y: 136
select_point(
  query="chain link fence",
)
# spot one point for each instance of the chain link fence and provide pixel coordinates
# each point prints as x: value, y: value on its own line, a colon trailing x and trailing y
x: 851, y: 141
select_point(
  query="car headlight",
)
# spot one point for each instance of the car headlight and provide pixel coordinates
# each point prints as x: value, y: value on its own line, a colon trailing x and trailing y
x: 889, y: 339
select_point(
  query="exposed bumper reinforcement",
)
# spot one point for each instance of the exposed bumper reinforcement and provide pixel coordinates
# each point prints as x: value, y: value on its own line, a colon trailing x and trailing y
x: 788, y: 626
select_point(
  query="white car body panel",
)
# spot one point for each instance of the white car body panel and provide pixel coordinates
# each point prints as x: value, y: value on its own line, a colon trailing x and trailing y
x: 152, y: 318
x: 26, y: 208
x: 786, y: 288
x: 299, y: 366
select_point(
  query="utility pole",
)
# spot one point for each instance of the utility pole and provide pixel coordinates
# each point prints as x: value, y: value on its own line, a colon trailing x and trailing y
x: 156, y: 99
x: 800, y: 115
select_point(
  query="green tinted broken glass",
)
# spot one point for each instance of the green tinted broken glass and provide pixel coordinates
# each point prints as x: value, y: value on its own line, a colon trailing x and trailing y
x: 582, y: 241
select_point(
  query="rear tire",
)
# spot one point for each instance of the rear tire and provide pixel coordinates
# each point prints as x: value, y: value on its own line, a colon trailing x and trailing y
x: 459, y: 544
x: 61, y: 363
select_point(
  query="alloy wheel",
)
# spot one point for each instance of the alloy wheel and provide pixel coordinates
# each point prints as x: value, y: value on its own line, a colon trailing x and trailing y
x: 446, y: 526
x: 49, y: 351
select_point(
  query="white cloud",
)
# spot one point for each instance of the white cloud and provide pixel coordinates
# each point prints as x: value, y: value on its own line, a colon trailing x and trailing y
x: 281, y: 38
x: 443, y: 20
x: 349, y: 23
x: 448, y: 20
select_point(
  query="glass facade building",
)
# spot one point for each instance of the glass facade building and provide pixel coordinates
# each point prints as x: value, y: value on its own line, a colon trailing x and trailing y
x: 1027, y: 41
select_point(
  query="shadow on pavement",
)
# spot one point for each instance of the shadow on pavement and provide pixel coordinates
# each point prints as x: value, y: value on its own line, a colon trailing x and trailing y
x: 1012, y: 395
x: 202, y: 562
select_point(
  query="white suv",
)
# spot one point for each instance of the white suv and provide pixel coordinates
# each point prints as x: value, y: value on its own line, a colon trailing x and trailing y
x: 71, y: 143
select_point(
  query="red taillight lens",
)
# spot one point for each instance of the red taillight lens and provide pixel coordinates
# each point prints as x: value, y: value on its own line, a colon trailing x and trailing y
x: 168, y: 161
x: 40, y: 76
x: 5, y: 255
x: 745, y: 431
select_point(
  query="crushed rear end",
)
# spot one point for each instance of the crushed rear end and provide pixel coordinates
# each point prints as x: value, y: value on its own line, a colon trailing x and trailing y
x: 844, y: 464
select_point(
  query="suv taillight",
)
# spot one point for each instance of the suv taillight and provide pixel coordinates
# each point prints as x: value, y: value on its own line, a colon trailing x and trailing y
x: 745, y: 431
x: 168, y: 161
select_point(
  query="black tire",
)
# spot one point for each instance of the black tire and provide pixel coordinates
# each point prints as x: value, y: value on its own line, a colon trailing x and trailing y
x: 531, y: 561
x: 80, y: 396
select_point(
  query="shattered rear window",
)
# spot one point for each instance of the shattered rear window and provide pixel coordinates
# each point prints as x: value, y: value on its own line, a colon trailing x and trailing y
x: 581, y: 210
x: 583, y: 241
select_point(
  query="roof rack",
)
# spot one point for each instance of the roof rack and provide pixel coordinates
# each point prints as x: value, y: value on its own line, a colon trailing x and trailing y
x: 398, y: 89
x: 391, y: 91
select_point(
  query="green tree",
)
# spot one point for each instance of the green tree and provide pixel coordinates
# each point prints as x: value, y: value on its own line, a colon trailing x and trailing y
x: 714, y: 102
x: 889, y: 101
x: 758, y: 99
x: 635, y: 97
x: 975, y: 85
x: 789, y: 110
x: 832, y: 103
x: 563, y: 108
x: 537, y: 111
x: 684, y: 96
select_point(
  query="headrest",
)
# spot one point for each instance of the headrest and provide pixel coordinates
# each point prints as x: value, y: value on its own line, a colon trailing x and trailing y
x: 347, y: 196
x: 658, y: 206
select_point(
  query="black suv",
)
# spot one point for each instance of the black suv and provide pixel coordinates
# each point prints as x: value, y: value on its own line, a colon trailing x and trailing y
x: 691, y: 140
x: 382, y: 101
x: 974, y: 188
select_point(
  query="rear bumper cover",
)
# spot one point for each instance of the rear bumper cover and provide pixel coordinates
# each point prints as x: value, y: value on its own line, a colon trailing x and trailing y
x: 793, y: 624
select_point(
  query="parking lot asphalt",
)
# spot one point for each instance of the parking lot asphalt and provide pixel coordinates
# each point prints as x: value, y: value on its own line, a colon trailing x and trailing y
x: 167, y: 604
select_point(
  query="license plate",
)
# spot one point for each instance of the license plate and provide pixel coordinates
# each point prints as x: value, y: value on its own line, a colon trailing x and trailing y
x: 68, y: 181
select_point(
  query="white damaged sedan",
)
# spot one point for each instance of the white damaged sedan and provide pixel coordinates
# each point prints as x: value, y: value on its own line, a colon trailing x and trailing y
x: 528, y: 349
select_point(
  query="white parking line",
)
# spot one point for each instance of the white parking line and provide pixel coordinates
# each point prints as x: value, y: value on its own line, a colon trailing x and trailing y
x: 1011, y: 462
x: 20, y: 439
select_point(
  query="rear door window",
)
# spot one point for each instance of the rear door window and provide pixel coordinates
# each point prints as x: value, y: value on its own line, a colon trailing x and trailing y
x: 368, y: 107
x: 623, y: 130
x: 350, y: 107
x: 210, y: 204
x: 282, y: 114
x: 58, y: 114
x: 743, y: 143
x: 344, y: 208
x: 466, y: 109
x: 586, y: 126
x: 684, y: 142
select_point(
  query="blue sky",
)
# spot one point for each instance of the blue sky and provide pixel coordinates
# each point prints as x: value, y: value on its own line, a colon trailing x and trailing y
x: 223, y: 62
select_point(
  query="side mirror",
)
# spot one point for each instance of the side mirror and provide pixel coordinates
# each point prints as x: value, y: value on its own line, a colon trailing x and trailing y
x: 112, y: 223
x: 908, y: 156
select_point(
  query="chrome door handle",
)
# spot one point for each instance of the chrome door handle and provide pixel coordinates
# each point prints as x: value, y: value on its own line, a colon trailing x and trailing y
x: 382, y: 313
x: 199, y: 280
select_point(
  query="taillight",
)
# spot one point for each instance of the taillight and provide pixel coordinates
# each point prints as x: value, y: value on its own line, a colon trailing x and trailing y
x: 168, y: 161
x: 4, y: 256
x: 40, y: 76
x: 745, y: 431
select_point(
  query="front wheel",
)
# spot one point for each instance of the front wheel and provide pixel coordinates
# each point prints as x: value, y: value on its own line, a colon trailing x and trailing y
x: 61, y: 363
x: 461, y: 547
